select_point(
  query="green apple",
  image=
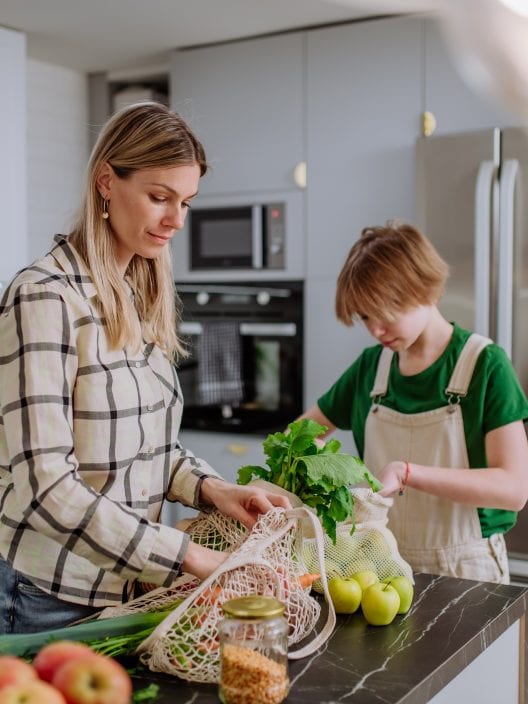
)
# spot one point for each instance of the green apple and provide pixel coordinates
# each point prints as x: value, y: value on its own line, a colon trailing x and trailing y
x: 333, y: 568
x: 374, y: 544
x: 345, y: 593
x: 365, y: 578
x: 405, y: 589
x: 380, y: 604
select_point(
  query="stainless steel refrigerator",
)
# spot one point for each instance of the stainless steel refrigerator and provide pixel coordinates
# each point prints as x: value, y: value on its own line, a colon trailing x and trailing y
x: 472, y: 202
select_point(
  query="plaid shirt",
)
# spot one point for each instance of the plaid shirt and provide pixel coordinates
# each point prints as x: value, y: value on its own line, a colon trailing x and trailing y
x: 88, y: 443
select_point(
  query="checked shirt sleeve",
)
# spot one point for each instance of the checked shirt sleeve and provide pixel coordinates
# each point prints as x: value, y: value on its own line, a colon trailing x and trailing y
x: 38, y: 375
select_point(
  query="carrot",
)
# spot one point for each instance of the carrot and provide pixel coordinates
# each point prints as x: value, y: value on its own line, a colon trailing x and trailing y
x: 210, y: 593
x: 208, y: 648
x: 306, y: 580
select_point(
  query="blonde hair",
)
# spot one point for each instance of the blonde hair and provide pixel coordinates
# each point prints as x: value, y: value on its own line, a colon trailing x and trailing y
x: 142, y: 136
x: 389, y: 270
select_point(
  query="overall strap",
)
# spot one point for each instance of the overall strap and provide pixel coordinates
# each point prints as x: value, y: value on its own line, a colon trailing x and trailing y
x: 463, y: 371
x: 382, y: 374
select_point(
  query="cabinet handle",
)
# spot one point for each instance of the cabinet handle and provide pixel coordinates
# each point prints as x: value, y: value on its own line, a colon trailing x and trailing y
x: 299, y: 174
x: 428, y: 123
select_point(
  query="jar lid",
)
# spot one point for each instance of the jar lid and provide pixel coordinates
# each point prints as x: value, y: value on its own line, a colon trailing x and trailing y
x: 253, y: 606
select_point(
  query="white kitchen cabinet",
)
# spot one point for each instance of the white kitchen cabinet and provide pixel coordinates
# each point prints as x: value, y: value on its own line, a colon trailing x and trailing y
x: 225, y: 452
x: 245, y: 101
x: 13, y: 189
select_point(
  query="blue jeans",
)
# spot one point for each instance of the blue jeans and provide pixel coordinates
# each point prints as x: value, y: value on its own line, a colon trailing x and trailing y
x: 27, y: 609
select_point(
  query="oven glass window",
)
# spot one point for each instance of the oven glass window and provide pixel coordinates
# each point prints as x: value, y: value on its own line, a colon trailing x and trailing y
x: 244, y: 372
x: 267, y: 374
x: 261, y: 374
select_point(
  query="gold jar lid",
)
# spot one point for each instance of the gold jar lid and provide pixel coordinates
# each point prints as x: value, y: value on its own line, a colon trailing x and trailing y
x: 253, y: 606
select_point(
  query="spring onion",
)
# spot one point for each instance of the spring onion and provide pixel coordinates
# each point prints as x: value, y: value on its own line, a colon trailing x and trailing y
x: 115, y: 636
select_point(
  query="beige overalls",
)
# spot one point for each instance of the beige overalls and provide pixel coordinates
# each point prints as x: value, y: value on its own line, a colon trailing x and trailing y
x: 434, y: 535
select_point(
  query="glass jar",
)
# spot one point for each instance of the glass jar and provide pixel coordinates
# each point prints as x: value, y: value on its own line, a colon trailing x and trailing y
x: 253, y: 651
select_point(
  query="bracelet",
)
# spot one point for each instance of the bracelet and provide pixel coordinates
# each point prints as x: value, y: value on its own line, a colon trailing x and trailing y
x: 405, y: 480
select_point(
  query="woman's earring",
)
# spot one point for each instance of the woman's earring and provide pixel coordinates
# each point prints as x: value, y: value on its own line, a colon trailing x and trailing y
x: 105, y: 209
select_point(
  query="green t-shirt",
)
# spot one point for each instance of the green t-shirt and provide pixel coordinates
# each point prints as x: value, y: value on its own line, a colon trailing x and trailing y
x: 495, y: 398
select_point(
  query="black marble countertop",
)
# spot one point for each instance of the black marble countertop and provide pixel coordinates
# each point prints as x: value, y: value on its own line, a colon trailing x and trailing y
x: 449, y: 624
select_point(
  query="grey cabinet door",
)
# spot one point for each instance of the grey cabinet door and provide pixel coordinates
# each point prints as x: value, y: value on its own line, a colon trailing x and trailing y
x: 454, y: 102
x: 363, y: 107
x: 244, y: 99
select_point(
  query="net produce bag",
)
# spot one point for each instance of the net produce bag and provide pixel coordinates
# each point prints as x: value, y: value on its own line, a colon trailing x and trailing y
x: 266, y: 560
x: 371, y: 546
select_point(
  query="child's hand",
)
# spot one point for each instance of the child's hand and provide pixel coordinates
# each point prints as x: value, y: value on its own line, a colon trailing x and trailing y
x: 392, y: 477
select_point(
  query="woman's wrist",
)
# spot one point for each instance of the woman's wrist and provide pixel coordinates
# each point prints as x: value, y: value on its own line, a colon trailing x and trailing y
x: 208, y: 489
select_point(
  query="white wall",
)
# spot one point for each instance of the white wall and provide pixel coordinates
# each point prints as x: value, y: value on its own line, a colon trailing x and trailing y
x: 57, y: 150
x: 13, y: 235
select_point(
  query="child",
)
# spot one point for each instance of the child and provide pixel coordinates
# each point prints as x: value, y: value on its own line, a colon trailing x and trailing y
x: 436, y: 412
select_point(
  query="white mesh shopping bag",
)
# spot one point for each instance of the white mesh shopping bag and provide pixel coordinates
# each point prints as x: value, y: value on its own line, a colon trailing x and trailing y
x: 266, y: 560
x: 371, y: 546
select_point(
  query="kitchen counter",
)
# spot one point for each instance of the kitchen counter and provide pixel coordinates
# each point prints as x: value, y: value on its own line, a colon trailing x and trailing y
x: 459, y: 638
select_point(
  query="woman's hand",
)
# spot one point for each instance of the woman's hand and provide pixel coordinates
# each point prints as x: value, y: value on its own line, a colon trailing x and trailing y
x: 201, y: 561
x: 392, y: 477
x: 243, y: 503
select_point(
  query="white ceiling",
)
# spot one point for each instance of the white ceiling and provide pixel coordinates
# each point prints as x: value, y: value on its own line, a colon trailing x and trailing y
x: 96, y: 35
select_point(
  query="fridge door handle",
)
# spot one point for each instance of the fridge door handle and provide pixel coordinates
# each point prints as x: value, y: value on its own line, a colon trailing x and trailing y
x: 505, y: 269
x: 483, y: 189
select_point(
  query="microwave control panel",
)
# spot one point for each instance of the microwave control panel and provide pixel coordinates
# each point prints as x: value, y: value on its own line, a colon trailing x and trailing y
x: 275, y: 229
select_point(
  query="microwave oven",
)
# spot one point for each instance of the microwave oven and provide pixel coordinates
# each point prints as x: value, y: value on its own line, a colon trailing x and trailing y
x: 248, y: 237
x: 253, y: 249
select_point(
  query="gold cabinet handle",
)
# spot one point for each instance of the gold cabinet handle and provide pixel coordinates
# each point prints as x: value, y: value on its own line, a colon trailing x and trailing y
x: 428, y: 123
x: 299, y: 174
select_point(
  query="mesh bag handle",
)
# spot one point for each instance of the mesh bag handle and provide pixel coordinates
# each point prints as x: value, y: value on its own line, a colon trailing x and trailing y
x: 329, y: 626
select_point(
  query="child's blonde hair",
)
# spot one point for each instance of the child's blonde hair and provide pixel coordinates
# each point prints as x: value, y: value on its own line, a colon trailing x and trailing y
x: 388, y: 270
x: 142, y: 136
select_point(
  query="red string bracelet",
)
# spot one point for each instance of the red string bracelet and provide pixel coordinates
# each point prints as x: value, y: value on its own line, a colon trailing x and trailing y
x: 405, y: 480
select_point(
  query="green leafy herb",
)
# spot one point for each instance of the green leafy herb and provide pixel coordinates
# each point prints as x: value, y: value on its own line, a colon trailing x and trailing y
x: 319, y: 475
x: 147, y: 694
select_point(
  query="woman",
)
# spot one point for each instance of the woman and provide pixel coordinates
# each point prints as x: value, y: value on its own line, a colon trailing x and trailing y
x: 436, y: 412
x: 90, y: 400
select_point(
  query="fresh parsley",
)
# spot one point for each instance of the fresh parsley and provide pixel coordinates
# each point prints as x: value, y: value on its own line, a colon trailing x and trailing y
x: 148, y: 695
x: 318, y: 474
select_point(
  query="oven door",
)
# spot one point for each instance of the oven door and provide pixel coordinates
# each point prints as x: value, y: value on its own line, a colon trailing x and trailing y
x: 271, y: 374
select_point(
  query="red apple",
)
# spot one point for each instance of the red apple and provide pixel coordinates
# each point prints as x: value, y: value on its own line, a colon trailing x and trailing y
x: 14, y: 670
x: 93, y: 680
x: 52, y: 656
x: 34, y: 692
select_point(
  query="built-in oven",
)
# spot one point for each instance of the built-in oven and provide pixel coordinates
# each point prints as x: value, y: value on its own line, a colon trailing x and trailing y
x: 244, y: 373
